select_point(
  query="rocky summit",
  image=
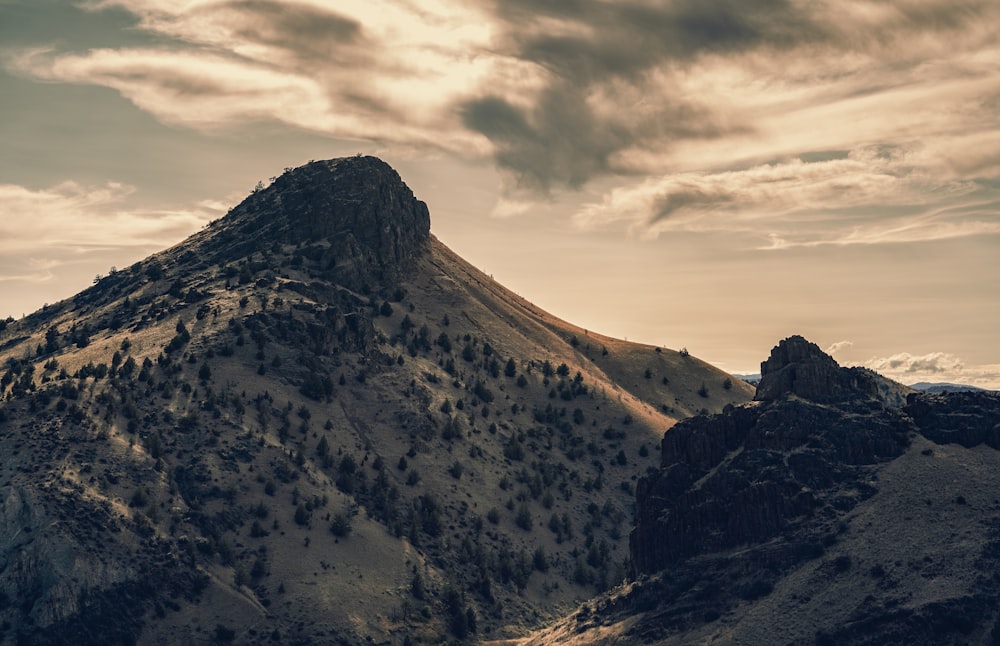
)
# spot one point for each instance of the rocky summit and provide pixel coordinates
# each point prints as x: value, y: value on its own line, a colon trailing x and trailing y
x: 362, y: 221
x: 830, y: 510
x: 798, y: 367
x: 313, y: 423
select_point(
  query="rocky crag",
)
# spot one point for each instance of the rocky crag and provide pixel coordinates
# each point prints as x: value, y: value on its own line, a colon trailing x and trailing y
x: 835, y: 508
x: 361, y: 223
x: 747, y: 475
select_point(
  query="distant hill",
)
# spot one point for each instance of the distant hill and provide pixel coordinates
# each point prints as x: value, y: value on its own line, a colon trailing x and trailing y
x: 944, y: 387
x: 827, y: 511
x: 311, y: 422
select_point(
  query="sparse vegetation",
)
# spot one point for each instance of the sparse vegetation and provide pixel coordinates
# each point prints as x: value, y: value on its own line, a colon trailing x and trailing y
x: 244, y: 399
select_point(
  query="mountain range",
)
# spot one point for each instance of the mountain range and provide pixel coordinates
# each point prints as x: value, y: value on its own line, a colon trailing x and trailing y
x: 311, y: 422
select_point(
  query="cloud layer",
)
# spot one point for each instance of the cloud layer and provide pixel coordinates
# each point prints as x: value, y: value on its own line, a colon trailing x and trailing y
x: 810, y: 123
x: 935, y: 367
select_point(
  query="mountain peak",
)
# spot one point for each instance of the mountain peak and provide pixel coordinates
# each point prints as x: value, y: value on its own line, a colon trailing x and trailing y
x: 357, y: 216
x: 798, y: 367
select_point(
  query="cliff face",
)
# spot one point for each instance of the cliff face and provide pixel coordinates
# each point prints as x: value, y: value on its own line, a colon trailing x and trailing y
x: 747, y: 475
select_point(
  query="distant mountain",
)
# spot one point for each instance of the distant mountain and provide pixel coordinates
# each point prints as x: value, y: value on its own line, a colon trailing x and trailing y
x: 827, y: 511
x: 311, y: 422
x: 944, y: 387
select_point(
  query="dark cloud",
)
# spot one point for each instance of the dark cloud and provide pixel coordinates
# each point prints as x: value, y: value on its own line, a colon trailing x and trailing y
x: 308, y: 33
x: 931, y: 16
x: 672, y: 202
x: 625, y: 39
x: 561, y: 140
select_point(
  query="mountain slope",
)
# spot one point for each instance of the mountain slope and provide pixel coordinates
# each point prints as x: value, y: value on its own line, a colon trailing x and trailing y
x: 312, y: 421
x: 826, y: 512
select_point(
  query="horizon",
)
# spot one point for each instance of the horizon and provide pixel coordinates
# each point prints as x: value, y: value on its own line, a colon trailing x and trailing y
x: 716, y: 178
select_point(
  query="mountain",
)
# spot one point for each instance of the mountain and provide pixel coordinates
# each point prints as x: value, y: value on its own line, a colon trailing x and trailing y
x: 944, y: 387
x: 312, y: 422
x: 830, y: 510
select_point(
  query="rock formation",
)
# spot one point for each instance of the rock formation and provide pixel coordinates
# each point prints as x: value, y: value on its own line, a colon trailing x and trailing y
x: 821, y: 513
x: 798, y: 367
x: 355, y: 215
x: 752, y: 473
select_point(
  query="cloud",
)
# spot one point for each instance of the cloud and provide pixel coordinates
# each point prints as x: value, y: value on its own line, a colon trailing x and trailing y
x: 593, y: 41
x: 839, y: 346
x: 935, y: 367
x: 698, y: 110
x: 45, y: 227
x: 869, y: 195
x: 184, y: 88
x: 746, y: 62
x: 906, y: 363
x: 384, y: 71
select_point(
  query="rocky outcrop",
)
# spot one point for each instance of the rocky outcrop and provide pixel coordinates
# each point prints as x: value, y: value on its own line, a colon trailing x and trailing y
x: 798, y: 367
x: 62, y: 581
x: 750, y: 474
x: 354, y: 219
x: 965, y: 418
x: 745, y: 498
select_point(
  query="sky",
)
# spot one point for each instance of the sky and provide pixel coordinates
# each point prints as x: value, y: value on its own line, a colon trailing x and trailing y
x: 709, y: 174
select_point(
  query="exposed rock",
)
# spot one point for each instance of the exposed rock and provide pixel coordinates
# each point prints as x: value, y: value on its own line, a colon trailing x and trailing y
x: 798, y: 367
x: 967, y: 418
x: 746, y: 476
x: 360, y: 220
x: 745, y: 498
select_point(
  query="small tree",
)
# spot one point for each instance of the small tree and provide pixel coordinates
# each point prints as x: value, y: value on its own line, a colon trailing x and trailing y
x: 341, y: 524
x: 302, y: 514
x: 523, y: 517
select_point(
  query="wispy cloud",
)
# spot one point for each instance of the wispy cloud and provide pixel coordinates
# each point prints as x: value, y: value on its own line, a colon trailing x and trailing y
x: 46, y: 225
x: 651, y: 78
x: 906, y: 363
x: 384, y: 71
x: 869, y: 195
